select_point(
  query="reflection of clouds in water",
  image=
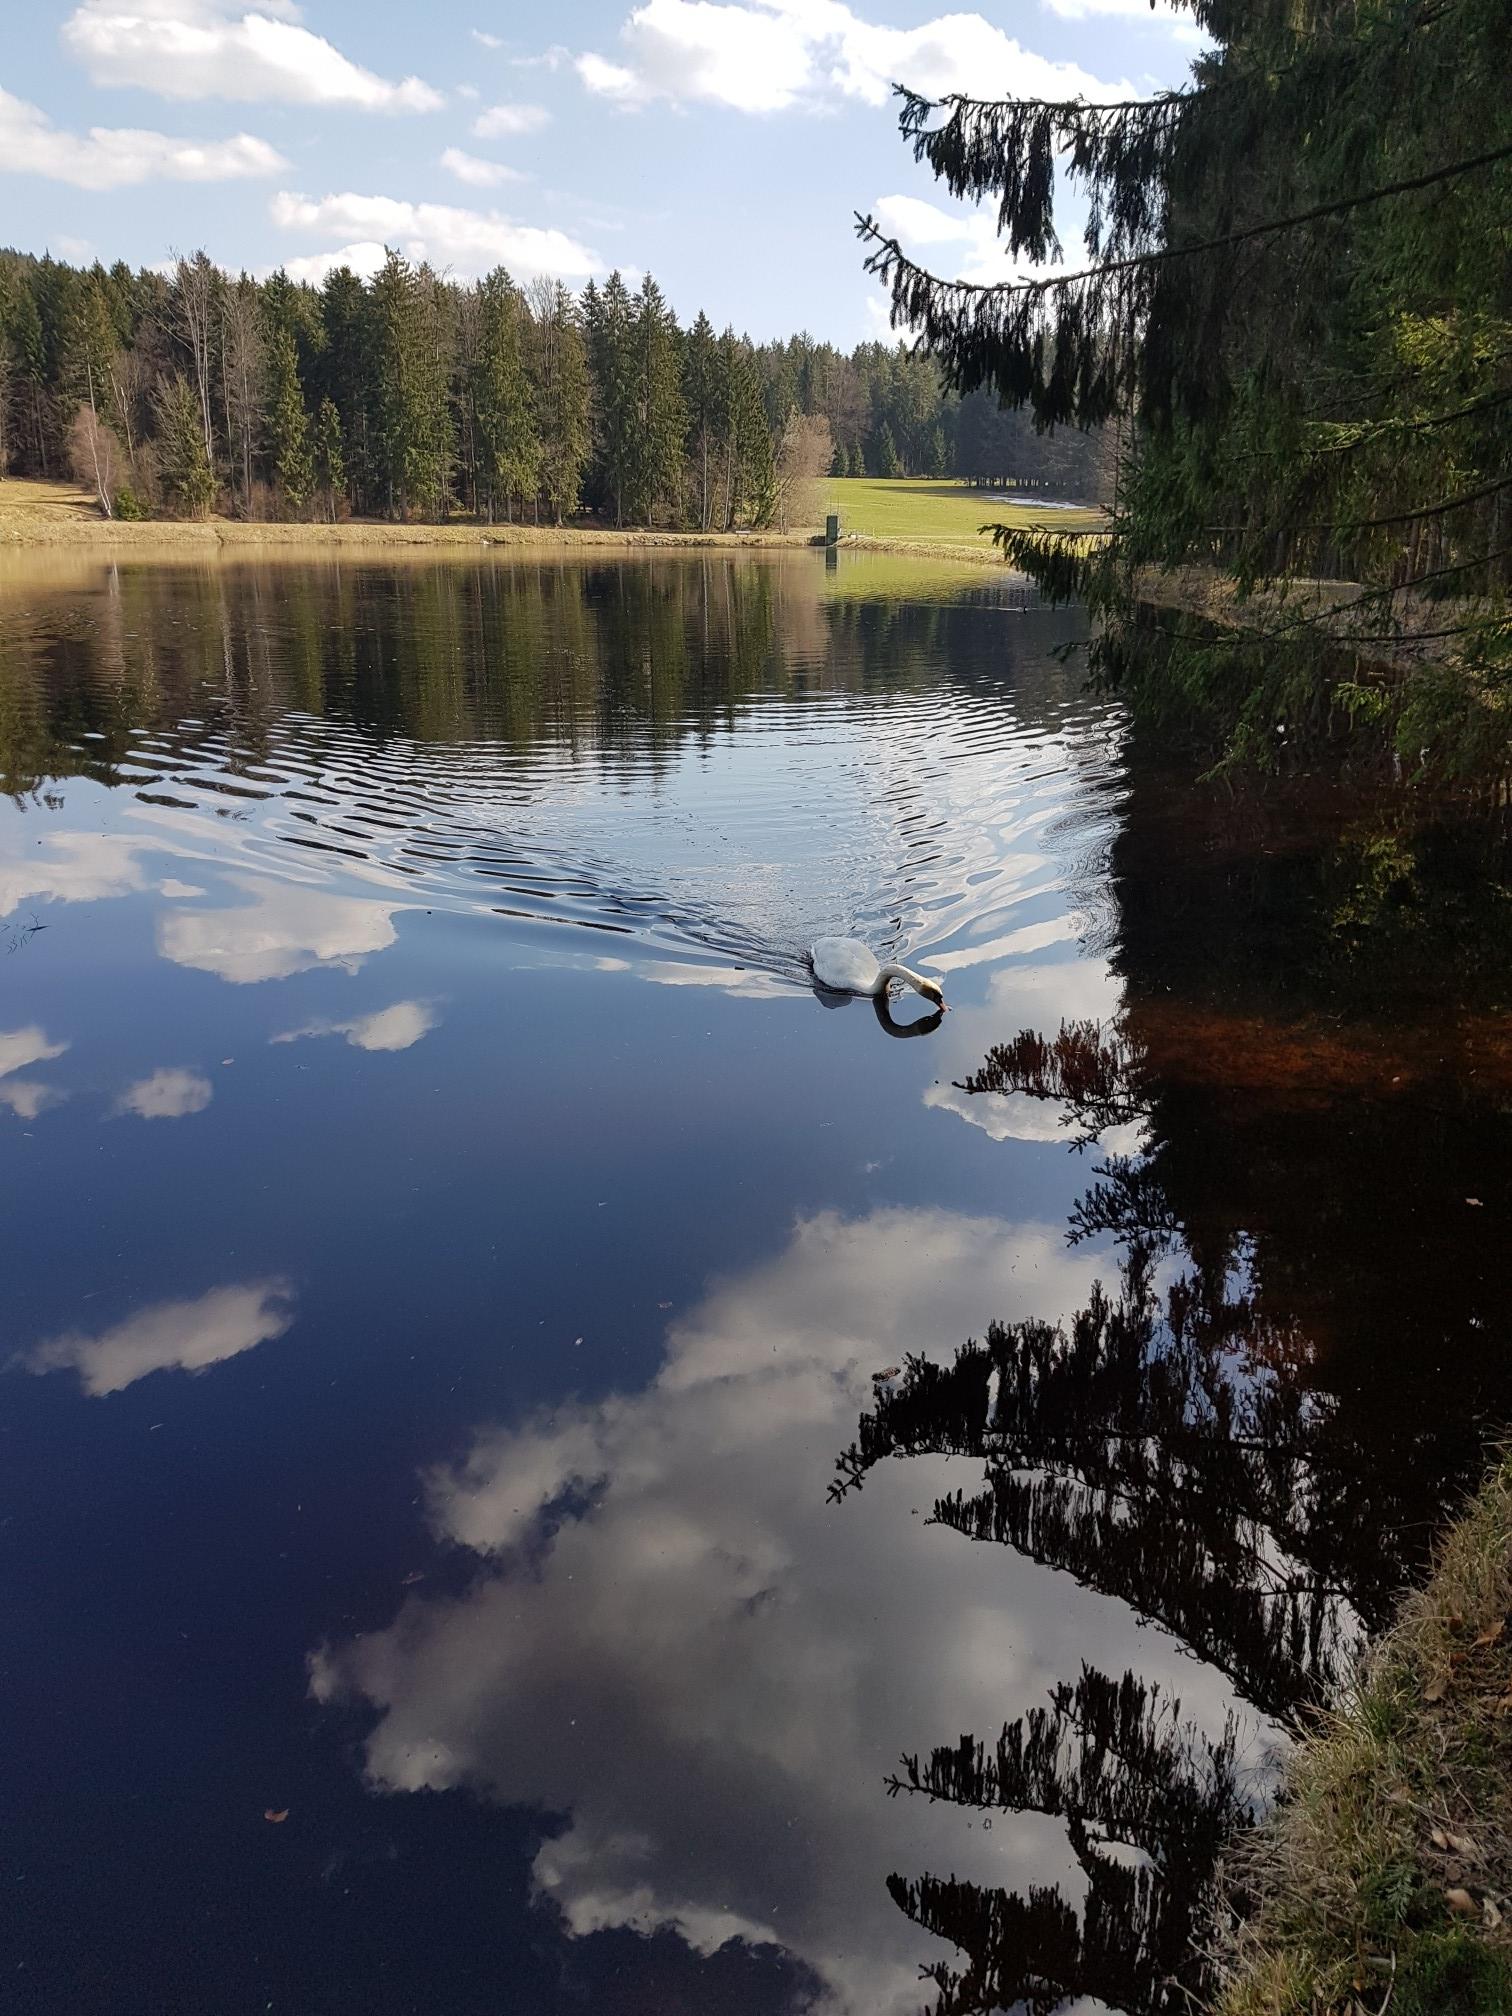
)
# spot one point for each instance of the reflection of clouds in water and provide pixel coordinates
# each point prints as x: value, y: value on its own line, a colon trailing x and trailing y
x: 393, y: 1028
x: 20, y: 1047
x: 179, y: 891
x: 27, y: 1097
x: 285, y: 929
x: 169, y: 1094
x: 180, y: 1336
x: 74, y: 868
x: 745, y: 982
x: 1012, y: 945
x: 708, y: 1668
x: 1015, y: 1116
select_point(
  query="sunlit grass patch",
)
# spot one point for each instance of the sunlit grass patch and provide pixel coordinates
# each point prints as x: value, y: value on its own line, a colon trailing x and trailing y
x: 1385, y: 1876
x: 936, y: 509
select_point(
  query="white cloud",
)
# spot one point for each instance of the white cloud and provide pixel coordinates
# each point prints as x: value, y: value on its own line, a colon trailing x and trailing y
x: 311, y: 268
x: 177, y: 1336
x: 112, y: 157
x: 701, y: 1642
x: 284, y: 930
x: 768, y: 55
x: 467, y: 242
x: 168, y: 1094
x: 500, y: 120
x: 211, y: 49
x: 480, y: 174
x: 489, y: 41
x: 393, y: 1028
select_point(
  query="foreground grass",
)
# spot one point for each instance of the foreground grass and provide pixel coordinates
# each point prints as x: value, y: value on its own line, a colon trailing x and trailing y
x: 1384, y: 1879
x: 938, y: 512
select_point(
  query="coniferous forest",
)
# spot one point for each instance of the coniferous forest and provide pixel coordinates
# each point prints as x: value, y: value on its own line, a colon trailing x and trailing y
x: 1296, y: 290
x: 410, y: 396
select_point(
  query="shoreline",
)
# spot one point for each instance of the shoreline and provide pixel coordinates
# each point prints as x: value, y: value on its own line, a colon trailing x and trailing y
x: 1384, y: 1874
x: 60, y: 519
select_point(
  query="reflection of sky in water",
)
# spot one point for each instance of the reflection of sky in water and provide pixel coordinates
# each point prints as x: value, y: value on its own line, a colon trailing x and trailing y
x: 640, y: 1625
x: 705, y: 1664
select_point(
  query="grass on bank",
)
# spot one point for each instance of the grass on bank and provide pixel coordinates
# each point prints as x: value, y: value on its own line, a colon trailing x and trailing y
x: 937, y: 510
x: 1382, y: 1885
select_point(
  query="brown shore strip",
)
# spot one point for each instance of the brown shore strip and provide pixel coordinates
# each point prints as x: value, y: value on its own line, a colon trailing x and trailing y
x: 50, y: 515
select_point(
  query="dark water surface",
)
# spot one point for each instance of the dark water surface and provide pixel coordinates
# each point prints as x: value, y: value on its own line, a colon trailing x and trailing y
x: 449, y: 1250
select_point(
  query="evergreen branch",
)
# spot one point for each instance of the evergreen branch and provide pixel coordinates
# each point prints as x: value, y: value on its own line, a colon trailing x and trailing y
x: 892, y: 265
x: 1368, y: 524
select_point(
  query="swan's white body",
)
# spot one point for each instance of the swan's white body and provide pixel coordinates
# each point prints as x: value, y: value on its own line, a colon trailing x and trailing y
x: 846, y: 966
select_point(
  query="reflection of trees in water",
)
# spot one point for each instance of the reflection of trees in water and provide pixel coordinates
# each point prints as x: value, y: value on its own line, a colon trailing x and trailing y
x: 626, y: 659
x: 1115, y: 1762
x: 1253, y: 1455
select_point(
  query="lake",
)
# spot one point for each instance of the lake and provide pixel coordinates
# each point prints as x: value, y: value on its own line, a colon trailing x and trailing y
x: 540, y: 1455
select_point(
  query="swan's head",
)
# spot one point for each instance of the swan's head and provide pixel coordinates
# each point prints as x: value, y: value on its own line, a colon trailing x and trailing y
x: 933, y: 991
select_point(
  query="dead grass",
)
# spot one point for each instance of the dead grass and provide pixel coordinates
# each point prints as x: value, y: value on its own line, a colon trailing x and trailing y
x: 1383, y: 1882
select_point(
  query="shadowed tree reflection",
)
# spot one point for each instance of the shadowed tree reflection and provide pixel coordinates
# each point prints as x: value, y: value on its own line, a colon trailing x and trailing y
x: 1252, y: 1439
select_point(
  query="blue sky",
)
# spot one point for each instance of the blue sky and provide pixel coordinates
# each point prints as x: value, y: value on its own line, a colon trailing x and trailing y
x: 721, y: 144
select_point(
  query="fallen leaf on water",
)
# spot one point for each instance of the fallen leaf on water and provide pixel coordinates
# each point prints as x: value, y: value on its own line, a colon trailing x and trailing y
x: 1491, y: 1633
x: 415, y: 1575
x: 664, y: 1305
x: 1476, y: 1202
x: 277, y: 1818
x: 1461, y: 1903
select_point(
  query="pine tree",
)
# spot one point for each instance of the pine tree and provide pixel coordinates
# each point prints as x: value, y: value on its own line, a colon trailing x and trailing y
x: 563, y: 402
x: 1296, y: 290
x: 653, y: 477
x: 510, y: 446
x: 887, y: 453
x: 288, y: 424
x: 749, y: 474
x: 346, y: 376
x: 701, y: 401
x: 183, y: 465
x: 330, y: 460
x: 608, y: 317
x: 411, y: 426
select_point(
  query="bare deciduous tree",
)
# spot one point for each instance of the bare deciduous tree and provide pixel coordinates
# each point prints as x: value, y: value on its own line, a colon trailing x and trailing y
x: 242, y: 373
x: 804, y: 454
x: 94, y: 455
x: 197, y: 286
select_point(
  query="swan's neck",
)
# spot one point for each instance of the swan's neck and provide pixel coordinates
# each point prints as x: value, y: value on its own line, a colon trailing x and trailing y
x: 893, y: 971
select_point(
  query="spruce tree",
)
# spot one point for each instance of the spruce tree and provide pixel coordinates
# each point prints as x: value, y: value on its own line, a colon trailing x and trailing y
x: 183, y: 466
x: 654, y: 458
x: 411, y: 423
x: 887, y: 452
x: 700, y: 384
x: 330, y: 459
x: 563, y: 398
x: 608, y: 315
x: 510, y: 446
x: 288, y: 424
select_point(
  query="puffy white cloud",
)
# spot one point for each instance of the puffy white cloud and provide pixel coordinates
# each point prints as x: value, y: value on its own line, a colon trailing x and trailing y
x: 395, y: 1028
x: 478, y: 173
x: 168, y: 1094
x: 178, y: 1336
x: 467, y: 242
x: 284, y: 930
x: 707, y: 1668
x: 73, y: 868
x: 500, y: 120
x: 111, y: 157
x: 768, y: 55
x: 214, y: 49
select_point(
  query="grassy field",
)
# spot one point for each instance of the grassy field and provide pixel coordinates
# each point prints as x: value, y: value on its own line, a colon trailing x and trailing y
x: 938, y: 511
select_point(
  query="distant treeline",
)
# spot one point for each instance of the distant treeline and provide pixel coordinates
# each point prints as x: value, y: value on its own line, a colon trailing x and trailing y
x: 411, y: 396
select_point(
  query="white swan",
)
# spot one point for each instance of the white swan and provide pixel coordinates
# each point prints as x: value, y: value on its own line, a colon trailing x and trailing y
x: 846, y: 966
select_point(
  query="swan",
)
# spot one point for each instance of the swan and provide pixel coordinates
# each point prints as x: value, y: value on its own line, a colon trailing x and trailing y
x: 846, y: 966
